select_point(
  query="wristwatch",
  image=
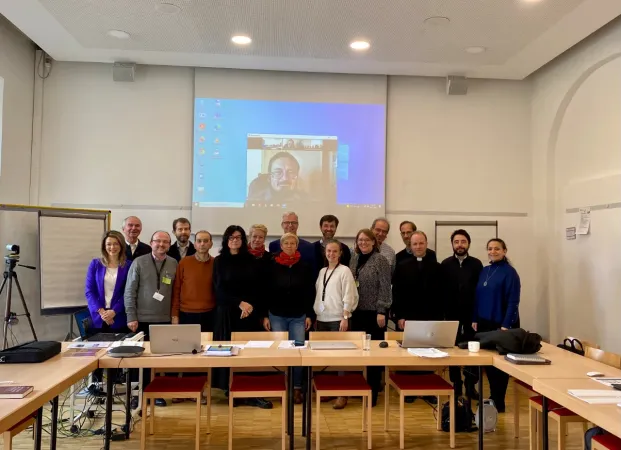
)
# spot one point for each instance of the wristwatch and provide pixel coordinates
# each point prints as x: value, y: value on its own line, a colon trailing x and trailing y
x: 346, y: 316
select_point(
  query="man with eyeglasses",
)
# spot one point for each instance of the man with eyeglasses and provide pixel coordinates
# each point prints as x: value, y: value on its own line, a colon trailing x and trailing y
x: 281, y: 183
x: 290, y: 224
x: 380, y: 228
x: 407, y: 228
x: 149, y: 289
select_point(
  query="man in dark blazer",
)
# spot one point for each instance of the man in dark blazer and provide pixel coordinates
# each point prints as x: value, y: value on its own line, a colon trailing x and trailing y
x: 328, y: 225
x: 183, y: 247
x: 132, y: 226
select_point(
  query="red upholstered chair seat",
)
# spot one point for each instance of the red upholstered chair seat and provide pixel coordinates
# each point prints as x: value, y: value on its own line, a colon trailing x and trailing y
x: 176, y: 384
x: 553, y: 407
x: 407, y: 382
x: 347, y: 382
x: 248, y: 383
x: 609, y: 441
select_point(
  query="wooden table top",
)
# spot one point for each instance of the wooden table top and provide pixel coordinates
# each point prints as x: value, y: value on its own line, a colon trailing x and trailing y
x: 606, y: 416
x: 49, y: 379
x: 393, y: 355
x: 564, y: 365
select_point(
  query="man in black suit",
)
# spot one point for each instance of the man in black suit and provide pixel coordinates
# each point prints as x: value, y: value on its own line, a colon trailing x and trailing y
x: 132, y: 226
x: 183, y: 247
x: 328, y: 225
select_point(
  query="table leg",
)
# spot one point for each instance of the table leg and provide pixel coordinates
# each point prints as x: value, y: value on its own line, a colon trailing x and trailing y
x: 544, y: 422
x: 290, y: 410
x: 307, y: 406
x: 481, y: 396
x: 54, y: 430
x: 38, y: 429
x: 110, y: 375
x: 128, y: 402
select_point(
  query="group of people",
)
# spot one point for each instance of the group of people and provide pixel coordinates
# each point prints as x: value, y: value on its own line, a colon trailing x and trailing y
x: 296, y: 286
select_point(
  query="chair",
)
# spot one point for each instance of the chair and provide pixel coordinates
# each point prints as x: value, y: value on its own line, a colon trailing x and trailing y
x: 605, y: 441
x: 248, y: 386
x: 176, y: 387
x: 8, y: 435
x: 346, y: 385
x: 419, y: 385
x: 519, y: 388
x: 608, y: 358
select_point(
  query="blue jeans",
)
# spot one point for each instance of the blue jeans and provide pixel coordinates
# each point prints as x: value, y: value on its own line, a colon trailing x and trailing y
x: 296, y: 328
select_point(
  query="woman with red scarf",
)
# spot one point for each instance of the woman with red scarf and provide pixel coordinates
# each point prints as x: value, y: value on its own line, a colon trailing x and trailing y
x: 290, y: 297
x: 256, y: 246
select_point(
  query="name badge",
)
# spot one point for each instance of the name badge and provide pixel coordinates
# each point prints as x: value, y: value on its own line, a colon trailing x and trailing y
x: 357, y: 283
x: 166, y: 280
x: 157, y: 296
x: 322, y: 307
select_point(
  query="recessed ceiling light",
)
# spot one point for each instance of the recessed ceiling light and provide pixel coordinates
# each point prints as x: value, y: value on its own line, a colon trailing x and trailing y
x: 437, y: 21
x: 360, y: 45
x: 167, y: 8
x: 119, y: 34
x: 475, y: 50
x: 241, y: 40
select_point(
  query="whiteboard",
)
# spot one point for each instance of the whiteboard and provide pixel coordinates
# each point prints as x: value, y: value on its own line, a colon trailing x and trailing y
x: 67, y: 244
x: 480, y: 232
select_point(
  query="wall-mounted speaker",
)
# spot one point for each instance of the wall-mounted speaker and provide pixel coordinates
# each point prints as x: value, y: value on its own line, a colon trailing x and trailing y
x: 123, y: 71
x: 456, y: 85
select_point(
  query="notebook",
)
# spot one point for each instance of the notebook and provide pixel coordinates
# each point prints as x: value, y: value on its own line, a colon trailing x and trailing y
x: 15, y: 391
x: 221, y: 350
x: 526, y: 359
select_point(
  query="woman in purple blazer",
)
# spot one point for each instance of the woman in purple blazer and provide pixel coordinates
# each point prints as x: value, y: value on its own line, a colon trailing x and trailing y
x: 105, y: 285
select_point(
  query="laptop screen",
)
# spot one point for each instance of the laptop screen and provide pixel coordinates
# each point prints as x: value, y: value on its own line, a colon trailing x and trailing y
x: 83, y: 321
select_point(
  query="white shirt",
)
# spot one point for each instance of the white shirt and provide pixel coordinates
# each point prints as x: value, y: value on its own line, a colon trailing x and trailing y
x: 109, y: 284
x: 183, y: 249
x: 132, y: 247
x: 341, y: 294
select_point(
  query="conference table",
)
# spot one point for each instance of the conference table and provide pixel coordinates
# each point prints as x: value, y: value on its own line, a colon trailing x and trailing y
x: 49, y: 379
x: 271, y: 357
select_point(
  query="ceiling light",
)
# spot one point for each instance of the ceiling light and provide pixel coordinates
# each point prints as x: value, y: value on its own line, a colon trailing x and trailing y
x: 475, y: 50
x: 167, y: 8
x: 119, y: 34
x: 437, y: 21
x: 360, y: 45
x: 241, y: 40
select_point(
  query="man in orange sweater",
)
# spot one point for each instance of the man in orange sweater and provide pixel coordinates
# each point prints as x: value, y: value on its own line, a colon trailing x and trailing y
x: 194, y: 299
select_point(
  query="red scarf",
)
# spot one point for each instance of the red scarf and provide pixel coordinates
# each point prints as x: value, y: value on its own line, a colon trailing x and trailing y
x: 287, y: 260
x: 256, y: 253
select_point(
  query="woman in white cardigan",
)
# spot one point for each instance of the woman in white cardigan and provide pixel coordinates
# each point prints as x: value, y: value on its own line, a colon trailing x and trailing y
x: 336, y: 297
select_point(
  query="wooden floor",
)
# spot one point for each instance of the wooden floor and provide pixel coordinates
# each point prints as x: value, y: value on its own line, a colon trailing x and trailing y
x: 260, y: 429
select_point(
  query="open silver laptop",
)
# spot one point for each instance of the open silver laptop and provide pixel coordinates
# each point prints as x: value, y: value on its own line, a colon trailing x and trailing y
x: 175, y: 338
x: 329, y: 345
x: 429, y: 334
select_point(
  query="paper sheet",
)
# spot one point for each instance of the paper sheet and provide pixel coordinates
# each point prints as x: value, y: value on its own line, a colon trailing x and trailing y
x: 290, y: 345
x: 427, y: 352
x: 89, y: 344
x: 585, y: 221
x: 128, y: 343
x: 596, y: 397
x: 259, y: 344
x: 607, y: 380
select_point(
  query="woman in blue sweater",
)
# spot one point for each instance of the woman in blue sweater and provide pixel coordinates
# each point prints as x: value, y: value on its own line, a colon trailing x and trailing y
x: 496, y: 307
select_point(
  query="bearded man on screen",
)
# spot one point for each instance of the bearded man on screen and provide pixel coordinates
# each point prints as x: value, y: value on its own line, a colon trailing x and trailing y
x: 281, y: 183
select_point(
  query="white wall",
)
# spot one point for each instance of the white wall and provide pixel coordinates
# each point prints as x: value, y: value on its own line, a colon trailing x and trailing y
x: 576, y: 147
x: 463, y: 158
x: 17, y: 59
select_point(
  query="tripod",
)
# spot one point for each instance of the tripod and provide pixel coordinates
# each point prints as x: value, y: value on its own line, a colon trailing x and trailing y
x: 10, y: 275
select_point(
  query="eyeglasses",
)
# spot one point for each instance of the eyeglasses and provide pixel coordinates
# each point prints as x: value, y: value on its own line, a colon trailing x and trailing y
x: 279, y: 174
x: 160, y: 241
x: 290, y: 223
x: 364, y: 241
x: 234, y: 238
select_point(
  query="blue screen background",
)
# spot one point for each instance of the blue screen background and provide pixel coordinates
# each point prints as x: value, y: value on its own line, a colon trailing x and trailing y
x: 221, y: 128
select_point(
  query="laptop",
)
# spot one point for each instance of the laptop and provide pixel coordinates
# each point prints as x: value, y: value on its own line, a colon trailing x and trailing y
x: 336, y: 345
x: 85, y: 328
x: 175, y: 338
x: 429, y: 334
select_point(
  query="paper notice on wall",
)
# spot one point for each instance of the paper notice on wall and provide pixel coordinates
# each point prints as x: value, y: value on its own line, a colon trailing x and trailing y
x: 570, y: 233
x: 585, y: 221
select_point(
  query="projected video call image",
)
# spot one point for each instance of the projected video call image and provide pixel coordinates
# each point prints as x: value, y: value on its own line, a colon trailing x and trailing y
x: 283, y: 170
x: 274, y: 154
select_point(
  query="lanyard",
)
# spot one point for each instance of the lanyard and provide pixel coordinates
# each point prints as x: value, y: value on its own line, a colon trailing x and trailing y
x: 158, y: 272
x: 325, y: 282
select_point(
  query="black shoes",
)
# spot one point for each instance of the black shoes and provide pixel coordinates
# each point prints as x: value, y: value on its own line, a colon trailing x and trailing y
x: 256, y: 402
x: 160, y: 402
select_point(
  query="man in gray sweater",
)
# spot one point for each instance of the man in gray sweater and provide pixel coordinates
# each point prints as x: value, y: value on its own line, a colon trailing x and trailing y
x: 148, y: 292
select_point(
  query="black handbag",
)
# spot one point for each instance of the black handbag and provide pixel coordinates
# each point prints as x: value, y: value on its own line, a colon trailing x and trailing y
x: 572, y: 345
x: 30, y: 352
